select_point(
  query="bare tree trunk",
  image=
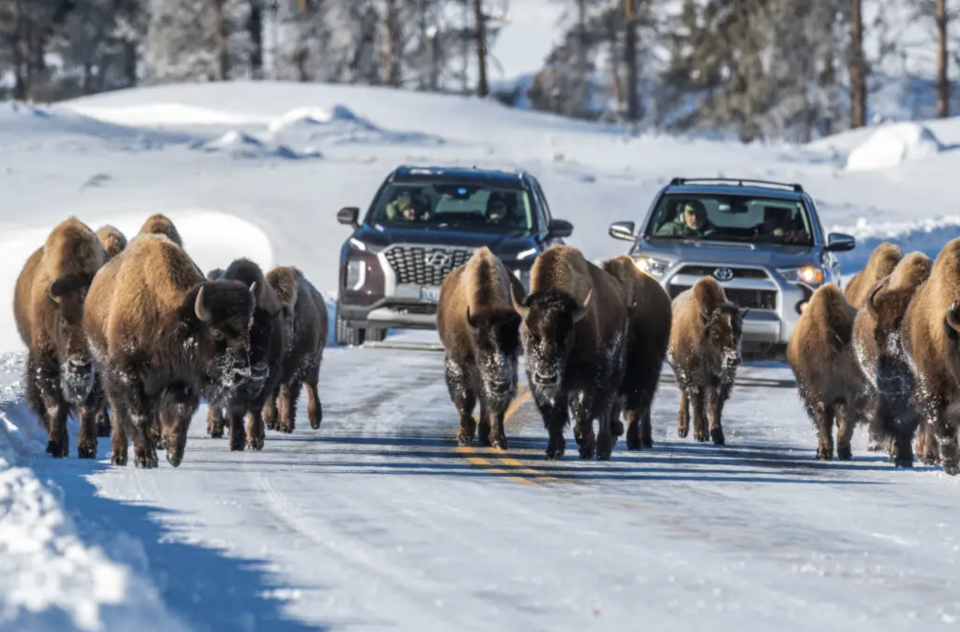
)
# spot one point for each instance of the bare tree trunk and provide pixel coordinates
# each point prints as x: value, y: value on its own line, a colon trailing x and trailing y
x: 616, y: 80
x: 255, y: 31
x: 481, y: 28
x: 943, y: 82
x: 582, y: 91
x: 858, y: 70
x: 220, y: 34
x: 392, y: 43
x: 630, y: 53
x: 130, y: 62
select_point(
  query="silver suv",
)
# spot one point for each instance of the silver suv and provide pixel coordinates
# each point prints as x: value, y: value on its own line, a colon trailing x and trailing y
x: 763, y: 241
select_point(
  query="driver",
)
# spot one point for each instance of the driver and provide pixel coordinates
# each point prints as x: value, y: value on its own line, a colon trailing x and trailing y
x: 496, y: 208
x: 690, y: 221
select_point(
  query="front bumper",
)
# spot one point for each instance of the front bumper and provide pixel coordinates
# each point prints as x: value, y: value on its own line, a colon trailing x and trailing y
x: 384, y: 298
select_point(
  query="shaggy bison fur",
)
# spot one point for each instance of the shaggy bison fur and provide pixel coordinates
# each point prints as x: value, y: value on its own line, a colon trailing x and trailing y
x: 649, y: 314
x: 305, y: 323
x: 112, y: 240
x: 266, y: 353
x: 829, y: 380
x: 574, y: 335
x: 480, y: 332
x: 879, y: 352
x: 160, y: 224
x: 48, y: 307
x: 930, y: 335
x: 163, y: 336
x: 883, y: 260
x: 704, y: 351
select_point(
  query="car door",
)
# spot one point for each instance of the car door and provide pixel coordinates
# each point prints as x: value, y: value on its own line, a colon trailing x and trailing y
x: 544, y: 216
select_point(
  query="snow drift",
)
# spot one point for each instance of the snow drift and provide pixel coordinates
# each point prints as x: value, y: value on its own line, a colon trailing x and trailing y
x: 893, y: 144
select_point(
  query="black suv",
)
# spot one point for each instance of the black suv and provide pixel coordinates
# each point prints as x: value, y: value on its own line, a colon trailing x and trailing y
x: 423, y: 223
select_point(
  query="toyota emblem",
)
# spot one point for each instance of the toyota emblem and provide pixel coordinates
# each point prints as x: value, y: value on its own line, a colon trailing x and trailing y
x: 437, y: 259
x: 723, y: 274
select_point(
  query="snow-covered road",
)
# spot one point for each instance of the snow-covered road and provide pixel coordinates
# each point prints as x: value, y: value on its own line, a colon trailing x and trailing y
x: 378, y: 521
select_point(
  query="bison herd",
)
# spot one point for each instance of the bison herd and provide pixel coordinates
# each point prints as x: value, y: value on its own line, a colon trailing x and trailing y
x: 129, y: 336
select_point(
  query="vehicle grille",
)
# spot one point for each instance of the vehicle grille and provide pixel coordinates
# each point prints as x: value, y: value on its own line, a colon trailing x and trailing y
x: 738, y: 273
x: 418, y: 309
x: 410, y: 264
x: 754, y: 299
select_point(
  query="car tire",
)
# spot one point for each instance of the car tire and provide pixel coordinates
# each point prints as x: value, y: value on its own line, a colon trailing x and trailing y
x: 375, y: 334
x: 348, y: 336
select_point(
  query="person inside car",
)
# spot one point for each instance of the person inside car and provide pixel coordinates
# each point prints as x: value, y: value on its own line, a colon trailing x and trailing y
x: 497, y: 211
x: 776, y: 227
x: 408, y: 207
x: 690, y: 221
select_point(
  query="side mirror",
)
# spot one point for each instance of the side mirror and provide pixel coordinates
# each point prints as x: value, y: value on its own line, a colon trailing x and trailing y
x: 838, y: 242
x: 622, y: 230
x: 349, y: 216
x: 560, y: 228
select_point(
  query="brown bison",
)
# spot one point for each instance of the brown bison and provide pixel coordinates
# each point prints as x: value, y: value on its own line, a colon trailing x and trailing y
x: 305, y: 321
x: 163, y: 336
x: 266, y: 353
x: 649, y: 313
x: 704, y: 352
x: 930, y: 336
x: 48, y: 308
x: 879, y: 353
x: 883, y: 260
x: 160, y: 224
x: 829, y: 380
x: 574, y: 335
x: 112, y: 240
x: 480, y: 332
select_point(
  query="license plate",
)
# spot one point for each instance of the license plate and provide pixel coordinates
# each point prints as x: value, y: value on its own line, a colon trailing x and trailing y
x: 430, y: 294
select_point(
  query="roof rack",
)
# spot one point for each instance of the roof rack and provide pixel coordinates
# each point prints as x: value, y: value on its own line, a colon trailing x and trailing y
x: 740, y: 181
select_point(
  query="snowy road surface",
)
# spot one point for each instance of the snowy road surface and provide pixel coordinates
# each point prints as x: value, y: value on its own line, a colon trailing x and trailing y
x: 378, y: 521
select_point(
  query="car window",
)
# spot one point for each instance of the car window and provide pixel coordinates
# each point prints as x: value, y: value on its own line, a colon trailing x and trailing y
x: 731, y: 218
x: 469, y: 206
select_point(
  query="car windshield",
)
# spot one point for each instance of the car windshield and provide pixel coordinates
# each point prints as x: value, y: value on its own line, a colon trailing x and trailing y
x: 452, y: 205
x: 731, y: 218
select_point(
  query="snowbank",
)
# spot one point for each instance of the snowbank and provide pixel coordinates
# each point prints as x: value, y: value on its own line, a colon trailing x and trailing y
x: 892, y: 144
x: 50, y: 580
x: 239, y: 145
x: 307, y: 126
x: 213, y: 240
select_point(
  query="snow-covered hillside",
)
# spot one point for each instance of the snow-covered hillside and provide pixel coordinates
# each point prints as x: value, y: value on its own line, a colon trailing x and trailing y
x: 377, y: 520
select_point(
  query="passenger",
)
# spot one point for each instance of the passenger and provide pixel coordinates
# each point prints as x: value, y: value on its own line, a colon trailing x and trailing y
x: 496, y: 208
x: 408, y: 207
x: 690, y: 221
x: 776, y: 227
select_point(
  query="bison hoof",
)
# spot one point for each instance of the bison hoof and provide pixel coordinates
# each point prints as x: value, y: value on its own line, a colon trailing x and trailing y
x: 702, y: 437
x: 646, y: 443
x: 103, y: 430
x: 464, y: 438
x: 286, y: 429
x: 315, y: 424
x: 930, y: 459
x: 556, y: 449
x: 605, y: 445
x: 875, y: 446
x: 952, y: 469
x: 272, y: 426
x: 484, y: 439
x: 58, y: 449
x: 174, y: 460
x: 118, y: 459
x: 499, y: 443
x: 905, y: 463
x: 683, y: 432
x: 255, y: 444
x: 588, y: 449
x: 87, y: 451
x: 633, y: 442
x: 238, y: 446
x: 216, y: 433
x: 717, y: 435
x: 845, y: 453
x: 145, y: 463
x: 824, y: 455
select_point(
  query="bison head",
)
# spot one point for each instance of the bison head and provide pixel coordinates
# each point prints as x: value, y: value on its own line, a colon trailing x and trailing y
x: 222, y: 311
x: 722, y: 336
x: 175, y: 408
x: 548, y: 334
x: 497, y: 339
x: 68, y: 294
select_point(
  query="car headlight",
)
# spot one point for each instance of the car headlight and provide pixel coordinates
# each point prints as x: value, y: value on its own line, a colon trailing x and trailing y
x: 356, y: 274
x: 652, y: 266
x: 811, y: 275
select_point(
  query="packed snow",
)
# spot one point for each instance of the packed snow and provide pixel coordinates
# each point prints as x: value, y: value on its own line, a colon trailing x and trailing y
x: 378, y: 519
x: 892, y: 144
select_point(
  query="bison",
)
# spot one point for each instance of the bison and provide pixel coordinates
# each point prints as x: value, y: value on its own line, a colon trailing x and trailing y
x: 883, y: 260
x: 305, y: 322
x: 879, y: 353
x: 704, y: 352
x: 48, y: 308
x: 574, y: 336
x: 266, y: 353
x: 112, y: 240
x: 480, y: 332
x: 164, y: 336
x: 160, y: 224
x: 649, y: 313
x: 930, y: 335
x: 829, y: 380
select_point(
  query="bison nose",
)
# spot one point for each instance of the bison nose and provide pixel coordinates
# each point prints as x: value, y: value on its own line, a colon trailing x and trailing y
x: 260, y: 371
x: 547, y: 378
x: 499, y: 387
x: 80, y: 362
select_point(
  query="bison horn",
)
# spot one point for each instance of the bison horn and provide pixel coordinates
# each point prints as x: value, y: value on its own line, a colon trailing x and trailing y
x: 953, y: 318
x: 200, y: 308
x: 518, y: 305
x: 253, y: 288
x: 869, y: 304
x: 470, y: 320
x: 581, y: 311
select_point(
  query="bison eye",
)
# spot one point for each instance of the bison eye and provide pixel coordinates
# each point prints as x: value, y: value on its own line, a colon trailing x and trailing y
x: 217, y: 335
